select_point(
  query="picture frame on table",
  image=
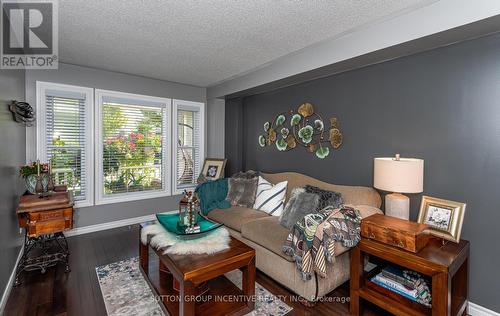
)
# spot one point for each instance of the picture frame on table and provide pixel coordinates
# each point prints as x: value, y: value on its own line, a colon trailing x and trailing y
x: 213, y: 169
x: 444, y: 217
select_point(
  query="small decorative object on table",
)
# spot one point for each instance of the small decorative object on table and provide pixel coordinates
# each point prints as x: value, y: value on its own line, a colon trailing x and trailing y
x: 396, y: 232
x: 38, y: 178
x: 188, y: 213
x: 445, y: 218
x: 44, y: 221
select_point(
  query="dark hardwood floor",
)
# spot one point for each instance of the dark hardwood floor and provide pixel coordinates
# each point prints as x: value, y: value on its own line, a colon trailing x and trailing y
x: 78, y: 293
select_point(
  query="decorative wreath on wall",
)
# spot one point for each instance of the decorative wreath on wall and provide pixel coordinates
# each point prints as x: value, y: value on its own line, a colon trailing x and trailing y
x: 305, y: 128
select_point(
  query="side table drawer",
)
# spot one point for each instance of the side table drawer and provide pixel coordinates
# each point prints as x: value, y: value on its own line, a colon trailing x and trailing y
x: 46, y: 227
x: 50, y: 214
x: 49, y: 222
x: 386, y: 236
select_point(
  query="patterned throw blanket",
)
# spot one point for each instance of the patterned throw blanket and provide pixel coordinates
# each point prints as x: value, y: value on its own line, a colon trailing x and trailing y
x: 311, y: 241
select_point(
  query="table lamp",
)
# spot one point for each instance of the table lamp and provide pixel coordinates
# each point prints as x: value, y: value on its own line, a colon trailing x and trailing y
x: 398, y: 175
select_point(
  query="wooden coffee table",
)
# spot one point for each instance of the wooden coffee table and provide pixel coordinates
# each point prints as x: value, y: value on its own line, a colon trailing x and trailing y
x: 223, y: 297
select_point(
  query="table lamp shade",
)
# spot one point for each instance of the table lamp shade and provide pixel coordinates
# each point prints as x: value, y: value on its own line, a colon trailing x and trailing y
x: 401, y: 175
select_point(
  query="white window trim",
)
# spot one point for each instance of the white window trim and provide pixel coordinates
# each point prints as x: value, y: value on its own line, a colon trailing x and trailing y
x: 41, y: 151
x: 100, y: 199
x: 188, y: 105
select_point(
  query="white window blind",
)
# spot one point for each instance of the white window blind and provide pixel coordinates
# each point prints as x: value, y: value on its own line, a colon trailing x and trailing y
x: 189, y: 143
x: 65, y: 140
x: 63, y: 125
x: 133, y: 147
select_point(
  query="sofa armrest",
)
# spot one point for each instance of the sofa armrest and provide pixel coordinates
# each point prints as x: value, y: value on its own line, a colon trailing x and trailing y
x: 367, y: 210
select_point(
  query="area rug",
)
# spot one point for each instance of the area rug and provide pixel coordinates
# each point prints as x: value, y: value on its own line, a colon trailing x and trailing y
x: 126, y: 293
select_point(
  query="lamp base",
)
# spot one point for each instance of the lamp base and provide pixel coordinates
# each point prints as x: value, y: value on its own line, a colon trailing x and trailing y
x: 397, y: 205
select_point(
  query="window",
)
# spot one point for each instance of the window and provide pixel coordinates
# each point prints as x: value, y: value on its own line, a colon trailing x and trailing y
x: 110, y: 147
x: 64, y: 125
x: 132, y: 147
x: 189, y: 143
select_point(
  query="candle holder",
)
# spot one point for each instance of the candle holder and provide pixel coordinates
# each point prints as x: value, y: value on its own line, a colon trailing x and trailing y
x: 50, y: 184
x: 39, y: 186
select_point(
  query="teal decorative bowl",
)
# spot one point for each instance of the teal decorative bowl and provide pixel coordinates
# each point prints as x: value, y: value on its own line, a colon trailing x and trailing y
x: 170, y: 223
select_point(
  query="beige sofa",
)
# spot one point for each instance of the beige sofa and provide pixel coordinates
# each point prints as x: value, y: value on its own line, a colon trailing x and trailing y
x: 265, y: 234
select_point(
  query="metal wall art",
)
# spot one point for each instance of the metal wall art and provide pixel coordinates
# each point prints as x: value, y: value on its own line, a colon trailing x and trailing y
x: 22, y: 112
x: 305, y: 128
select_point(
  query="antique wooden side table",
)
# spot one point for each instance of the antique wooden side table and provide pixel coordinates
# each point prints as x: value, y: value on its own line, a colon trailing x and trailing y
x: 446, y: 263
x: 44, y: 221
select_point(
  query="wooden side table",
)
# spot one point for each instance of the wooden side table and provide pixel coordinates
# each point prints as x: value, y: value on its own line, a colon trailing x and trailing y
x: 44, y: 220
x: 223, y: 297
x: 447, y: 264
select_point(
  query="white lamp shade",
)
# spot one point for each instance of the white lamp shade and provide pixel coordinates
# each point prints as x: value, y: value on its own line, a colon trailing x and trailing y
x: 405, y: 175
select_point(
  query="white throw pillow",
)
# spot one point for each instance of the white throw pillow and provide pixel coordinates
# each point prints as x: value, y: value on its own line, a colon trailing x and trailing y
x: 270, y: 198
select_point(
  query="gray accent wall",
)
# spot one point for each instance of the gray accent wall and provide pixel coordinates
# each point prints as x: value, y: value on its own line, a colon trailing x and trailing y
x: 215, y: 127
x: 234, y: 140
x: 12, y: 154
x: 102, y: 79
x: 442, y: 106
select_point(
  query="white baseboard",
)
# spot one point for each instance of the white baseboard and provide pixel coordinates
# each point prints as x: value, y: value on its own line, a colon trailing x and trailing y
x: 477, y: 310
x: 104, y: 226
x: 10, y: 283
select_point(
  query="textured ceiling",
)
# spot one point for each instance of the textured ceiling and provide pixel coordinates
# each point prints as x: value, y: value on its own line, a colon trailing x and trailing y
x: 206, y: 41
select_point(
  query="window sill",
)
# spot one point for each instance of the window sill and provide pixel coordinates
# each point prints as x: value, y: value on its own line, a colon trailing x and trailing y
x: 181, y: 189
x: 80, y: 204
x: 127, y: 197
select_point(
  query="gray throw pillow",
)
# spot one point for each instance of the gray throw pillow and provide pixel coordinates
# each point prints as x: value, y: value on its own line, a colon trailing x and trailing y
x: 249, y: 174
x: 326, y: 198
x: 241, y: 191
x: 300, y: 204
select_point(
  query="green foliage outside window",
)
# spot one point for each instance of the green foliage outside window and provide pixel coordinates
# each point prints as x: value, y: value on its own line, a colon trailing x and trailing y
x: 131, y: 150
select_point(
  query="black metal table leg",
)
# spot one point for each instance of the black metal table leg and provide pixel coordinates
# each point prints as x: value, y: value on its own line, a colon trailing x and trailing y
x: 48, y: 257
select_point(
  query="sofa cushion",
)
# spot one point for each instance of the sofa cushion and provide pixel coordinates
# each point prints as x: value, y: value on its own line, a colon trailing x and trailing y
x: 326, y: 197
x: 300, y: 204
x: 268, y: 233
x: 270, y: 198
x: 241, y: 191
x: 235, y: 216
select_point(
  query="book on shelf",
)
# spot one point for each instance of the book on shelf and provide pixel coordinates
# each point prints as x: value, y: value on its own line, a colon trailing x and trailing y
x: 394, y: 285
x: 384, y: 285
x: 396, y: 274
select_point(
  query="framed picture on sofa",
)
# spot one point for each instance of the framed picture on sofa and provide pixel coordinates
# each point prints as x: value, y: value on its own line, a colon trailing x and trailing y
x: 213, y: 169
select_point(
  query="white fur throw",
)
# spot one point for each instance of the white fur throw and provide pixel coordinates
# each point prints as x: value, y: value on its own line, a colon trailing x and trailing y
x: 215, y: 241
